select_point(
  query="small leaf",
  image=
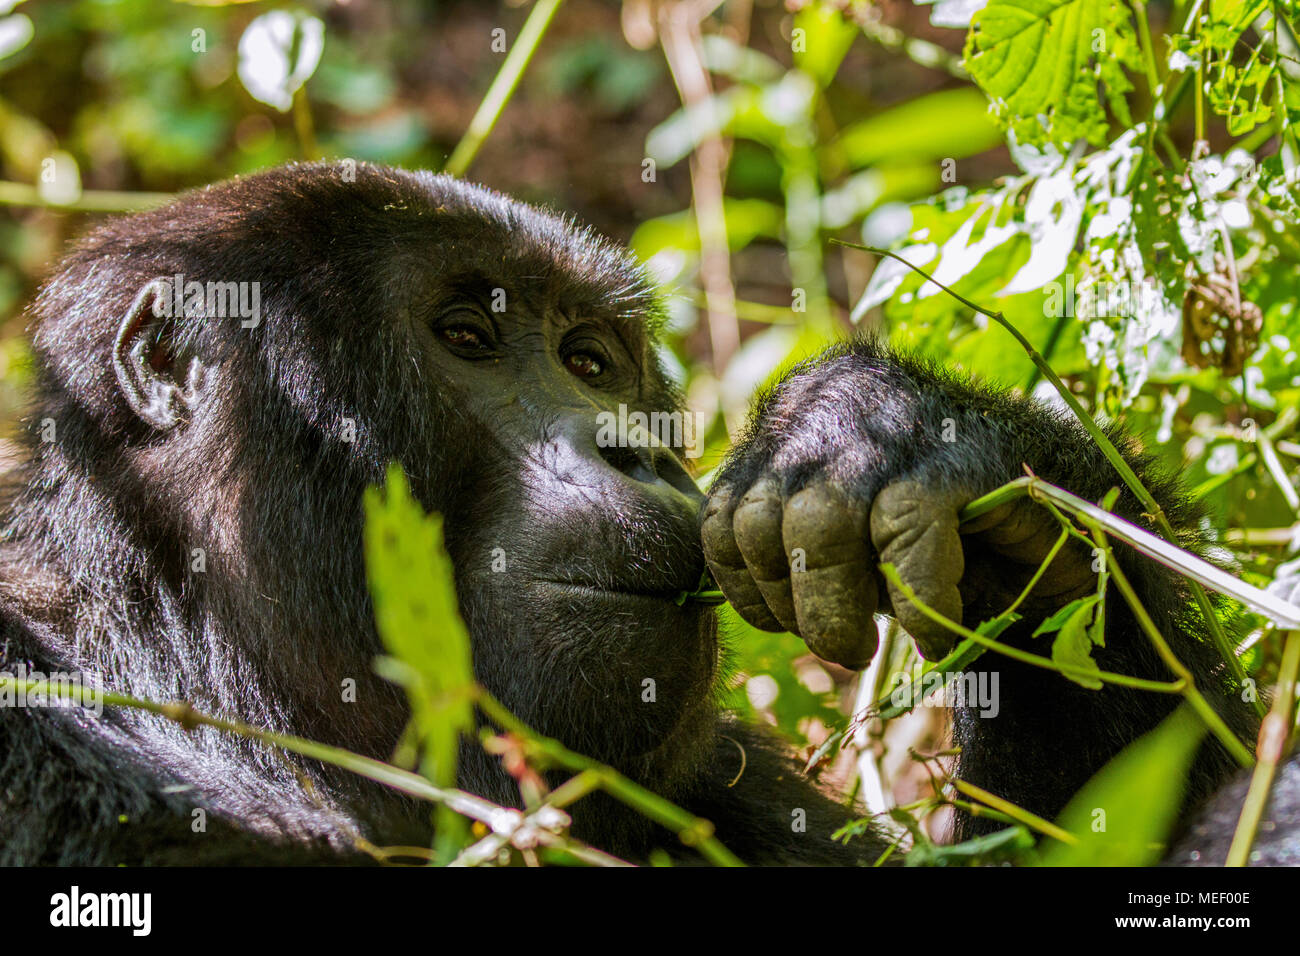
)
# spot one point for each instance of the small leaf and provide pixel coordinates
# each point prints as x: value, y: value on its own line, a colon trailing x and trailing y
x: 1072, y: 650
x: 1057, y: 620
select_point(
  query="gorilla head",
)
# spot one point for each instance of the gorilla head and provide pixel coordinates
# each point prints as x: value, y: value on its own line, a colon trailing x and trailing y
x: 194, y: 530
x: 219, y: 381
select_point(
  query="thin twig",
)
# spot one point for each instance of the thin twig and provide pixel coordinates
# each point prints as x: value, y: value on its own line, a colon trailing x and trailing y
x: 503, y: 87
x: 1274, y: 734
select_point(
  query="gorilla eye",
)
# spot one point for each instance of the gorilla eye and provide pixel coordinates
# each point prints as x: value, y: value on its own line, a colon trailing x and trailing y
x: 467, y: 339
x: 583, y: 364
x: 462, y: 336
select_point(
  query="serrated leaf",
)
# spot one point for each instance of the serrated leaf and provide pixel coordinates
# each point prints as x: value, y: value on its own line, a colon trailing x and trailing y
x: 418, y: 618
x: 1040, y: 62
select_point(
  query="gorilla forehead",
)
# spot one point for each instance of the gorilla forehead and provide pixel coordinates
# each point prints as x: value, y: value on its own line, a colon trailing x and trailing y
x: 448, y: 223
x: 336, y: 247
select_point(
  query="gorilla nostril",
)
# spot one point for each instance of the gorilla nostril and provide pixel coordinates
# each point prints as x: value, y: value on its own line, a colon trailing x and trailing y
x: 650, y: 465
x: 670, y: 469
x: 633, y: 462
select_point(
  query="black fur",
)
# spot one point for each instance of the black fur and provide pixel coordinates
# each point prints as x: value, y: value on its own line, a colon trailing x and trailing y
x: 865, y: 417
x: 355, y: 279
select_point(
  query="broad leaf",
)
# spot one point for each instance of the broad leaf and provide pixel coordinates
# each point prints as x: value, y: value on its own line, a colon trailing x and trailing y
x: 1040, y: 62
x: 1123, y: 814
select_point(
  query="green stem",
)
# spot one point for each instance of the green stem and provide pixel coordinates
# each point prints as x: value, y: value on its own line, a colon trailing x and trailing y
x: 503, y: 87
x: 1018, y: 814
x: 1148, y: 50
x: 1189, y: 690
x: 1035, y: 660
x: 1273, y: 737
x: 693, y: 831
x: 967, y: 652
x: 1149, y: 503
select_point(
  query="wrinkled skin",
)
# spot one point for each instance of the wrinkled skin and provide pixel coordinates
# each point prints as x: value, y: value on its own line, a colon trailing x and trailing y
x: 378, y: 340
x: 862, y: 457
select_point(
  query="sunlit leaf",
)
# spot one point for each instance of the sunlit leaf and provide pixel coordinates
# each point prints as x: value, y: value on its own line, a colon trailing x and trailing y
x: 1123, y: 814
x: 1040, y: 62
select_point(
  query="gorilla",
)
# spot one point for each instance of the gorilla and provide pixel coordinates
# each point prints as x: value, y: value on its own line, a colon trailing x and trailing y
x: 187, y: 525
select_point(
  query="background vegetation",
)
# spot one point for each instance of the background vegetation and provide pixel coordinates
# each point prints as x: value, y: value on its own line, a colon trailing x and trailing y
x: 1117, y: 179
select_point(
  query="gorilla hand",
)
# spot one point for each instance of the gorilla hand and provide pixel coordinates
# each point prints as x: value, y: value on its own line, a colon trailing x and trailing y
x: 842, y: 471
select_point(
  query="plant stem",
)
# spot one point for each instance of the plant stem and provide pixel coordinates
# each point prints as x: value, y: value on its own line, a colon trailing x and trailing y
x: 1019, y: 814
x: 1108, y: 449
x: 1035, y: 660
x: 693, y: 831
x: 1208, y: 715
x: 1273, y: 737
x: 503, y: 87
x: 1148, y: 51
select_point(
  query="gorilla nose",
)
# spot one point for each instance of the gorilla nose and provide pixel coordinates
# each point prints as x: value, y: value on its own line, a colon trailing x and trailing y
x: 650, y: 465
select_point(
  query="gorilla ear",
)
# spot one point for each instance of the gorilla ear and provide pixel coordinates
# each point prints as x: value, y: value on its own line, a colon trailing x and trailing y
x: 161, y: 386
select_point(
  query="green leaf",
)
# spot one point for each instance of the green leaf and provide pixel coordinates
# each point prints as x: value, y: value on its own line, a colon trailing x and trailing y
x: 990, y: 848
x: 1073, y: 645
x: 416, y: 611
x: 1040, y: 62
x: 1125, y: 812
x: 1072, y: 650
x: 1058, y: 620
x: 747, y: 220
x: 908, y: 130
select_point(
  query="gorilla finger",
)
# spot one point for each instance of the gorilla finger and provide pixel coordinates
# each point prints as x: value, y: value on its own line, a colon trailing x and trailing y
x: 1025, y: 532
x: 833, y: 585
x: 915, y: 529
x: 727, y: 564
x: 757, y: 526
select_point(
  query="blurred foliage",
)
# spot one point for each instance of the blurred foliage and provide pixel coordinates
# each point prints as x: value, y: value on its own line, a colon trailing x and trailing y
x: 1118, y: 179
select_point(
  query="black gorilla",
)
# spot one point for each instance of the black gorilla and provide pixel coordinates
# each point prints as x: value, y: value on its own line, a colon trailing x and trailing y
x: 188, y: 526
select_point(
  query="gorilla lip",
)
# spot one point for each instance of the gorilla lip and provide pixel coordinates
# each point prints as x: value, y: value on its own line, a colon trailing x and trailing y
x: 667, y: 595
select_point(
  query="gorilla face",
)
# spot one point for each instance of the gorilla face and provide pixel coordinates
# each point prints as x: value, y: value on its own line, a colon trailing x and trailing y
x: 569, y: 548
x: 475, y: 340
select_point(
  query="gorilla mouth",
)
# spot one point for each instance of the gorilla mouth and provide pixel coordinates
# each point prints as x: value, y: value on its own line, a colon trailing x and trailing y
x: 616, y: 590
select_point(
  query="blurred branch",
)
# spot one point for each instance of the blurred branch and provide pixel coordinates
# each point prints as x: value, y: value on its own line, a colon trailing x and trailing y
x: 91, y: 200
x: 1274, y: 735
x: 679, y: 34
x: 921, y: 52
x: 503, y: 87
